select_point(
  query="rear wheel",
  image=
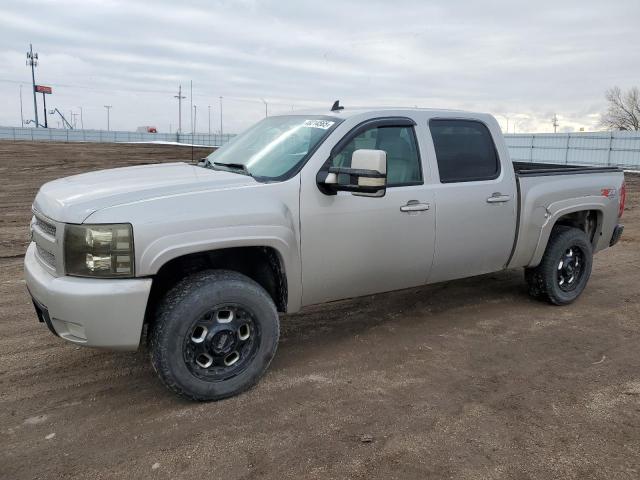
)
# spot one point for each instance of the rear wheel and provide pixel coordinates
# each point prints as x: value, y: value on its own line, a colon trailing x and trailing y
x: 214, y: 335
x: 565, y: 267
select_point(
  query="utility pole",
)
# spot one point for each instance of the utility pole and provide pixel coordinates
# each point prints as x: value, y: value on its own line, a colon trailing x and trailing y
x: 555, y: 123
x: 191, y: 100
x: 81, y: 119
x: 180, y: 97
x: 32, y: 60
x: 108, y: 107
x: 21, y: 114
x: 209, y: 109
x: 266, y: 106
x: 220, y: 119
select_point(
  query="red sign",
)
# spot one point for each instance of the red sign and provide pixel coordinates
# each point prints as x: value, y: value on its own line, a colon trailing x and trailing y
x: 43, y: 89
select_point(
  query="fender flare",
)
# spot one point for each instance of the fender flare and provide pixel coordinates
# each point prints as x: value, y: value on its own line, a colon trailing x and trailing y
x: 281, y: 239
x: 557, y: 210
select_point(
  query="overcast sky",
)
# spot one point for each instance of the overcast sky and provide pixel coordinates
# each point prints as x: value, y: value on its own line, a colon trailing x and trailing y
x: 516, y: 59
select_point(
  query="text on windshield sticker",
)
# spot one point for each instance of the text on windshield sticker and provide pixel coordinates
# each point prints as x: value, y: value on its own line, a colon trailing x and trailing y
x: 323, y: 124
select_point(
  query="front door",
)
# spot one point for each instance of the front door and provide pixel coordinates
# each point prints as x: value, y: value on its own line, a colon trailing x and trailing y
x: 353, y: 245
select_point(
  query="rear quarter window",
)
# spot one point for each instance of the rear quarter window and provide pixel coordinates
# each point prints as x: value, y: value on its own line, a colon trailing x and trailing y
x: 465, y: 151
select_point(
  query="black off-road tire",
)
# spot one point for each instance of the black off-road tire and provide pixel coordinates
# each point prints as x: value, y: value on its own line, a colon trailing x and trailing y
x: 543, y: 280
x: 181, y: 309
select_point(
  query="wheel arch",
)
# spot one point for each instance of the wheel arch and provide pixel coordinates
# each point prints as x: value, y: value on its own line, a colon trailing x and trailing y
x: 586, y: 216
x: 263, y: 264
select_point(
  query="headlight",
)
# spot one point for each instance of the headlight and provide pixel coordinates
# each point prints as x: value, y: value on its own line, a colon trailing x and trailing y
x: 99, y: 250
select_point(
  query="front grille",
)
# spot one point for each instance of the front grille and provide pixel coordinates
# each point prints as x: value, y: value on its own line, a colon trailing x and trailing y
x: 46, y: 227
x: 47, y: 257
x: 44, y: 234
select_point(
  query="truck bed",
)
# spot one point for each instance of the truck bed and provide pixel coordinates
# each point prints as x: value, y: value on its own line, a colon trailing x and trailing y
x: 528, y: 169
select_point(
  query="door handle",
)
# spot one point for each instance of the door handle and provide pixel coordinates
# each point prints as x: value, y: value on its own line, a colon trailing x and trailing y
x: 414, y: 206
x: 497, y: 197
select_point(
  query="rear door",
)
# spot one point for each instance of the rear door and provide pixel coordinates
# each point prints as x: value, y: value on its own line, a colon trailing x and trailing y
x: 476, y: 201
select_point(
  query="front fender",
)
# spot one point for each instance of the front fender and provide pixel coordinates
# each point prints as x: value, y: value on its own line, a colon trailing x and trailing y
x: 264, y: 215
x: 281, y: 239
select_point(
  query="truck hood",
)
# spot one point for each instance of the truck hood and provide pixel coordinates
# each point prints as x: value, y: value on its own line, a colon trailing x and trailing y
x: 73, y: 199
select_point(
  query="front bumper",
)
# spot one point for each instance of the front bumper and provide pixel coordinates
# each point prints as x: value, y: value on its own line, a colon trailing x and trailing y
x: 92, y: 312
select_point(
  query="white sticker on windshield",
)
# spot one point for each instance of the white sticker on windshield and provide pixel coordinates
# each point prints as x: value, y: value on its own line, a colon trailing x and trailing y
x: 323, y: 124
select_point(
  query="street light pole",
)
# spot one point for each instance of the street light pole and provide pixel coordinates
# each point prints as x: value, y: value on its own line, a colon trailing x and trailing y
x: 209, y: 114
x: 21, y: 114
x: 195, y: 118
x: 108, y: 107
x: 221, y: 119
x: 266, y: 105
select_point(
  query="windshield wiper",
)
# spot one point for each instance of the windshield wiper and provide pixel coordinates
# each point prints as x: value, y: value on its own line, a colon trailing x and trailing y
x: 234, y: 167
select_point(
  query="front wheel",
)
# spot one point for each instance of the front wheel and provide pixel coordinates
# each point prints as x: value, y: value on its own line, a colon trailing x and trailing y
x: 565, y: 267
x: 214, y: 335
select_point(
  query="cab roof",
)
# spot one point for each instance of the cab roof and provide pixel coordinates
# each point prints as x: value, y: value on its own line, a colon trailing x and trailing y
x: 347, y: 112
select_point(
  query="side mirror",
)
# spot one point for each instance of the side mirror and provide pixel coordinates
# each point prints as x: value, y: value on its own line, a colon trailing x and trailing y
x: 366, y: 177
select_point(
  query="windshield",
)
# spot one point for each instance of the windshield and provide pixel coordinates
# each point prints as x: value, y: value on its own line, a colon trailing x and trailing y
x: 274, y: 147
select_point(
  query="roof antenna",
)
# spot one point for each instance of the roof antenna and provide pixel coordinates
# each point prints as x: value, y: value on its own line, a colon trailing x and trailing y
x: 336, y: 106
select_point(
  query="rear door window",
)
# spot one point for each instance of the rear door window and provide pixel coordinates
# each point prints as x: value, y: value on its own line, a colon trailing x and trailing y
x: 465, y: 151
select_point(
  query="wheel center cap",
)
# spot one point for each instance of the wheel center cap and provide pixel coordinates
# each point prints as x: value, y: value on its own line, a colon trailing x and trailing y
x: 223, y: 342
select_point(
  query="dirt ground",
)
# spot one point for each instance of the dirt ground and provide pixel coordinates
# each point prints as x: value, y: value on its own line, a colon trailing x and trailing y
x: 468, y: 379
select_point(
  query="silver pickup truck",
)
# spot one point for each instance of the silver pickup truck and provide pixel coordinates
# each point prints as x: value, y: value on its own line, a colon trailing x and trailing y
x: 303, y: 209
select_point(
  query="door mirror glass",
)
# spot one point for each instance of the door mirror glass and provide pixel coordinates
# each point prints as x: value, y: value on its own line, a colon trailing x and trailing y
x: 367, y: 175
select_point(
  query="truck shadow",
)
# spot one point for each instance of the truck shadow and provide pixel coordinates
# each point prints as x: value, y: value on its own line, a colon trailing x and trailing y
x: 120, y: 377
x: 421, y: 305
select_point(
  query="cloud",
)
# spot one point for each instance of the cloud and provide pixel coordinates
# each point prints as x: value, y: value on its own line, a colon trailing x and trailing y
x: 520, y: 60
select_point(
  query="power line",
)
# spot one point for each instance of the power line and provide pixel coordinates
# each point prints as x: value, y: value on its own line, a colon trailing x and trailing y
x: 152, y: 91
